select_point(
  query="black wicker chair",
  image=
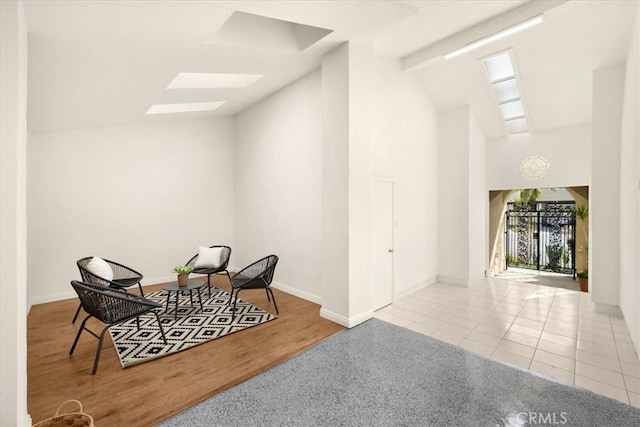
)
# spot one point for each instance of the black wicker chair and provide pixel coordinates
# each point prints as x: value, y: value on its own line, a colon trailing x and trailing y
x: 123, y: 277
x: 258, y: 275
x: 225, y: 254
x: 112, y: 307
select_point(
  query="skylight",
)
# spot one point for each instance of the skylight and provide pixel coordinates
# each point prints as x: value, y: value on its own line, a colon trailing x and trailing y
x: 504, y: 82
x: 213, y: 80
x: 512, y: 110
x: 184, y: 108
x: 506, y: 90
x: 500, y: 67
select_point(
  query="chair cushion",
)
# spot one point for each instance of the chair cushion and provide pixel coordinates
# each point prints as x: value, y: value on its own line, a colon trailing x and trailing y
x: 208, y: 257
x: 100, y: 268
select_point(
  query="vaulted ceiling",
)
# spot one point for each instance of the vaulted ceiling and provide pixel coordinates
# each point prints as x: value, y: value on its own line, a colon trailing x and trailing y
x: 104, y: 63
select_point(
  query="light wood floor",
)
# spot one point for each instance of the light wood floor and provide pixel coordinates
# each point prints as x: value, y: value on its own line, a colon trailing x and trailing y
x: 145, y: 394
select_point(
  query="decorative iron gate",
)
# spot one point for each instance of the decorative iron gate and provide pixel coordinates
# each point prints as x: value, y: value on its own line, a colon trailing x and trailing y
x: 541, y: 236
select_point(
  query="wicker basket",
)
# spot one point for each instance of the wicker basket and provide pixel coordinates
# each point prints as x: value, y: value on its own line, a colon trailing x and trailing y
x: 78, y: 418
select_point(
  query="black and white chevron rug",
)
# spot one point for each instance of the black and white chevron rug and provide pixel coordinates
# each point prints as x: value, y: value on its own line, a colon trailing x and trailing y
x: 193, y: 326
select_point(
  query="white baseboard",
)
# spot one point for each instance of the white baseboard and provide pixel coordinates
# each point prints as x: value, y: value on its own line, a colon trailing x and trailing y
x: 347, y: 322
x: 450, y: 280
x: 280, y: 286
x: 158, y: 280
x: 610, y: 309
x: 297, y: 293
x: 288, y: 289
x: 415, y: 288
x: 316, y: 299
x: 461, y: 281
x: 53, y: 297
x: 60, y: 296
x: 26, y: 420
x: 172, y: 278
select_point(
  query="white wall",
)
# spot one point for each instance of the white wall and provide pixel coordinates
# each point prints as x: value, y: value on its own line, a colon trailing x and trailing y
x: 286, y: 132
x: 405, y: 147
x: 478, y: 203
x: 630, y: 191
x: 463, y: 199
x: 335, y: 179
x: 347, y: 171
x: 453, y: 196
x: 567, y: 149
x: 361, y: 63
x: 278, y: 185
x: 145, y: 196
x: 634, y: 59
x: 604, y: 195
x: 13, y: 215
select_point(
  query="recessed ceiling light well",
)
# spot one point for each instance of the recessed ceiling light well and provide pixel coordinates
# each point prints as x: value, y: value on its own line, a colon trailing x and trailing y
x: 184, y: 108
x: 256, y: 31
x: 213, y: 80
x: 538, y: 19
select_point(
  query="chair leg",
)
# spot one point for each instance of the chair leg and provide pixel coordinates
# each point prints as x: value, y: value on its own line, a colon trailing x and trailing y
x: 231, y: 297
x: 161, y: 328
x: 200, y: 299
x: 140, y: 287
x: 97, y: 359
x: 75, y: 342
x: 269, y: 291
x: 209, y: 284
x: 138, y: 322
x: 229, y: 276
x: 77, y: 312
x: 235, y: 301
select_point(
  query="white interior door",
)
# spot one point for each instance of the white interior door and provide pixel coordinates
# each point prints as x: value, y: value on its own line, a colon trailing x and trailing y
x: 382, y: 243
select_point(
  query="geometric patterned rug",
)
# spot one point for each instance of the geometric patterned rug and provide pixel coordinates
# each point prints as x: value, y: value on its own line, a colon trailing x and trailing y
x: 192, y: 327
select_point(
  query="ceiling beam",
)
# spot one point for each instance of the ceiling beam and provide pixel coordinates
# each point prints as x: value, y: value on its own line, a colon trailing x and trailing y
x: 436, y: 50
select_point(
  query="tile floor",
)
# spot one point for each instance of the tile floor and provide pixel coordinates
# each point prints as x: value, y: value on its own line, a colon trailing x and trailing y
x: 551, y: 331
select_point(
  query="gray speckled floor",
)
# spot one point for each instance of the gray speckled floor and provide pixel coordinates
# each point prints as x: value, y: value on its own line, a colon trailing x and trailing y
x: 378, y: 374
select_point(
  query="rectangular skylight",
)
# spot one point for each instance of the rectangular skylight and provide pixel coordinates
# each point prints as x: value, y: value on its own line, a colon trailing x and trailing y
x: 512, y: 109
x: 213, y: 80
x: 506, y: 90
x: 184, y: 108
x: 499, y: 67
x: 501, y: 72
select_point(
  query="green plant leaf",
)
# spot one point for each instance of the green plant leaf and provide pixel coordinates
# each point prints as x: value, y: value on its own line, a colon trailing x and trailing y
x: 183, y: 269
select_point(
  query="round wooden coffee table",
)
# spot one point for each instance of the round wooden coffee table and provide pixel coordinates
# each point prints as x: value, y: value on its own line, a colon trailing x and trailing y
x: 174, y: 287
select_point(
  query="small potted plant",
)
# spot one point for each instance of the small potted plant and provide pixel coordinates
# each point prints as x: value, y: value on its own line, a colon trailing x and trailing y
x: 583, y: 279
x: 183, y: 274
x: 582, y: 212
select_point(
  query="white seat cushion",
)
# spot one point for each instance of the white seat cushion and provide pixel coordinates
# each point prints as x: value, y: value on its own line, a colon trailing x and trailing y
x: 100, y: 268
x: 208, y: 257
